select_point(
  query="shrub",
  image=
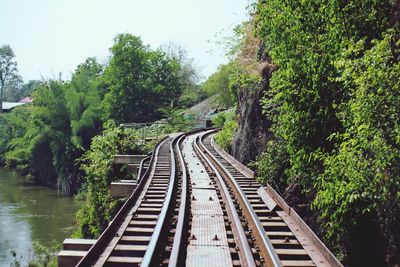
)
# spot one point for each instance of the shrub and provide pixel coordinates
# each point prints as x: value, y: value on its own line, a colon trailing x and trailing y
x: 224, y: 138
x: 272, y: 164
x: 97, y: 163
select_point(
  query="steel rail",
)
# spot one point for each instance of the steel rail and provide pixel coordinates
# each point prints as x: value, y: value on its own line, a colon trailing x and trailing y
x: 153, y: 251
x: 151, y: 257
x: 317, y: 251
x: 246, y: 258
x: 177, y: 252
x: 266, y: 248
x: 110, y: 231
x: 141, y: 167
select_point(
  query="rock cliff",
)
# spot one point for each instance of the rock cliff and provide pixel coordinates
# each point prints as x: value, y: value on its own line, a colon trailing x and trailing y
x: 254, y: 128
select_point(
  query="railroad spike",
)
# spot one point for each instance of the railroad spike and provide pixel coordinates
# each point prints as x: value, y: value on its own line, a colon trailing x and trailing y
x: 287, y: 240
x: 211, y: 199
x: 193, y: 197
x: 215, y: 238
x: 193, y: 237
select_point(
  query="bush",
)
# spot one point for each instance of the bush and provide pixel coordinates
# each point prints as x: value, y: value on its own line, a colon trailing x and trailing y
x: 38, y: 257
x: 177, y: 120
x: 272, y: 164
x: 361, y: 176
x: 97, y: 164
x: 224, y: 138
x: 221, y: 118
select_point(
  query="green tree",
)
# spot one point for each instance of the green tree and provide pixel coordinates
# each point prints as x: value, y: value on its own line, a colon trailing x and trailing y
x: 324, y: 103
x: 219, y: 86
x: 16, y: 90
x: 139, y: 81
x: 12, y: 89
x: 48, y: 136
x: 361, y: 178
x: 188, y: 77
x: 8, y: 69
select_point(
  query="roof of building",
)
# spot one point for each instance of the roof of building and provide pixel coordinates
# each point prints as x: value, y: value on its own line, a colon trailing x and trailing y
x: 25, y: 100
x: 11, y: 105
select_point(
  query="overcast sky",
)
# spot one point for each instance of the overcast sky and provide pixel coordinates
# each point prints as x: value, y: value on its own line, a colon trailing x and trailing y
x: 52, y: 36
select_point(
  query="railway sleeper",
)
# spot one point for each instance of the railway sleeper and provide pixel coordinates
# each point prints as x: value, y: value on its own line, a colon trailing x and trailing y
x: 135, y: 240
x: 138, y: 231
x: 129, y: 250
x: 117, y: 261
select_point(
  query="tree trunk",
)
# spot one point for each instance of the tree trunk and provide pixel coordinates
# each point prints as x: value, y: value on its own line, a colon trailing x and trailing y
x: 1, y: 96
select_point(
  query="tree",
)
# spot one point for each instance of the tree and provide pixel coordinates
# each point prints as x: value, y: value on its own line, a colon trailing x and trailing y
x: 218, y: 85
x: 8, y: 69
x: 140, y: 81
x: 333, y: 101
x: 188, y: 76
x: 13, y: 88
x: 45, y: 138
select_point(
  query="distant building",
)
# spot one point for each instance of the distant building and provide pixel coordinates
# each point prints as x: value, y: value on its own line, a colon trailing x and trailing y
x: 26, y: 100
x: 8, y: 106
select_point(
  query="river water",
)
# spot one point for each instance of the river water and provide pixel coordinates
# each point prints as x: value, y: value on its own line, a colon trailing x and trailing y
x: 31, y: 214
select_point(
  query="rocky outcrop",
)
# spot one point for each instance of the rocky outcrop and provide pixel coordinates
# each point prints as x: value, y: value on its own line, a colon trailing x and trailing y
x: 254, y: 128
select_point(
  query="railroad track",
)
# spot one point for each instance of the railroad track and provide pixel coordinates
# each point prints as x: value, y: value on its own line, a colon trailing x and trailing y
x: 279, y: 244
x: 194, y: 208
x: 134, y: 235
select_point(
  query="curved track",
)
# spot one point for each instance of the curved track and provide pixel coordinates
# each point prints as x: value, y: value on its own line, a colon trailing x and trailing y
x: 278, y: 243
x: 194, y: 208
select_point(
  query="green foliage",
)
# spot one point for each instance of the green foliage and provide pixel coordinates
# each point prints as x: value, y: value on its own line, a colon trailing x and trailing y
x: 8, y: 69
x: 221, y: 118
x: 272, y: 165
x: 224, y: 138
x: 44, y: 138
x: 304, y: 90
x: 219, y: 84
x: 177, y: 120
x: 301, y: 95
x: 25, y: 90
x: 139, y: 81
x: 191, y: 95
x: 43, y: 256
x: 12, y: 88
x: 38, y: 257
x: 187, y: 75
x: 362, y: 175
x: 334, y: 104
x: 100, y: 171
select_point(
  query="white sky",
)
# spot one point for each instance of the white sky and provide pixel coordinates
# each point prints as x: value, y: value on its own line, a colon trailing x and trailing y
x: 52, y: 36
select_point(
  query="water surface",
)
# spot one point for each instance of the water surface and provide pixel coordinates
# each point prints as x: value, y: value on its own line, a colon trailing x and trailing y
x: 31, y: 214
